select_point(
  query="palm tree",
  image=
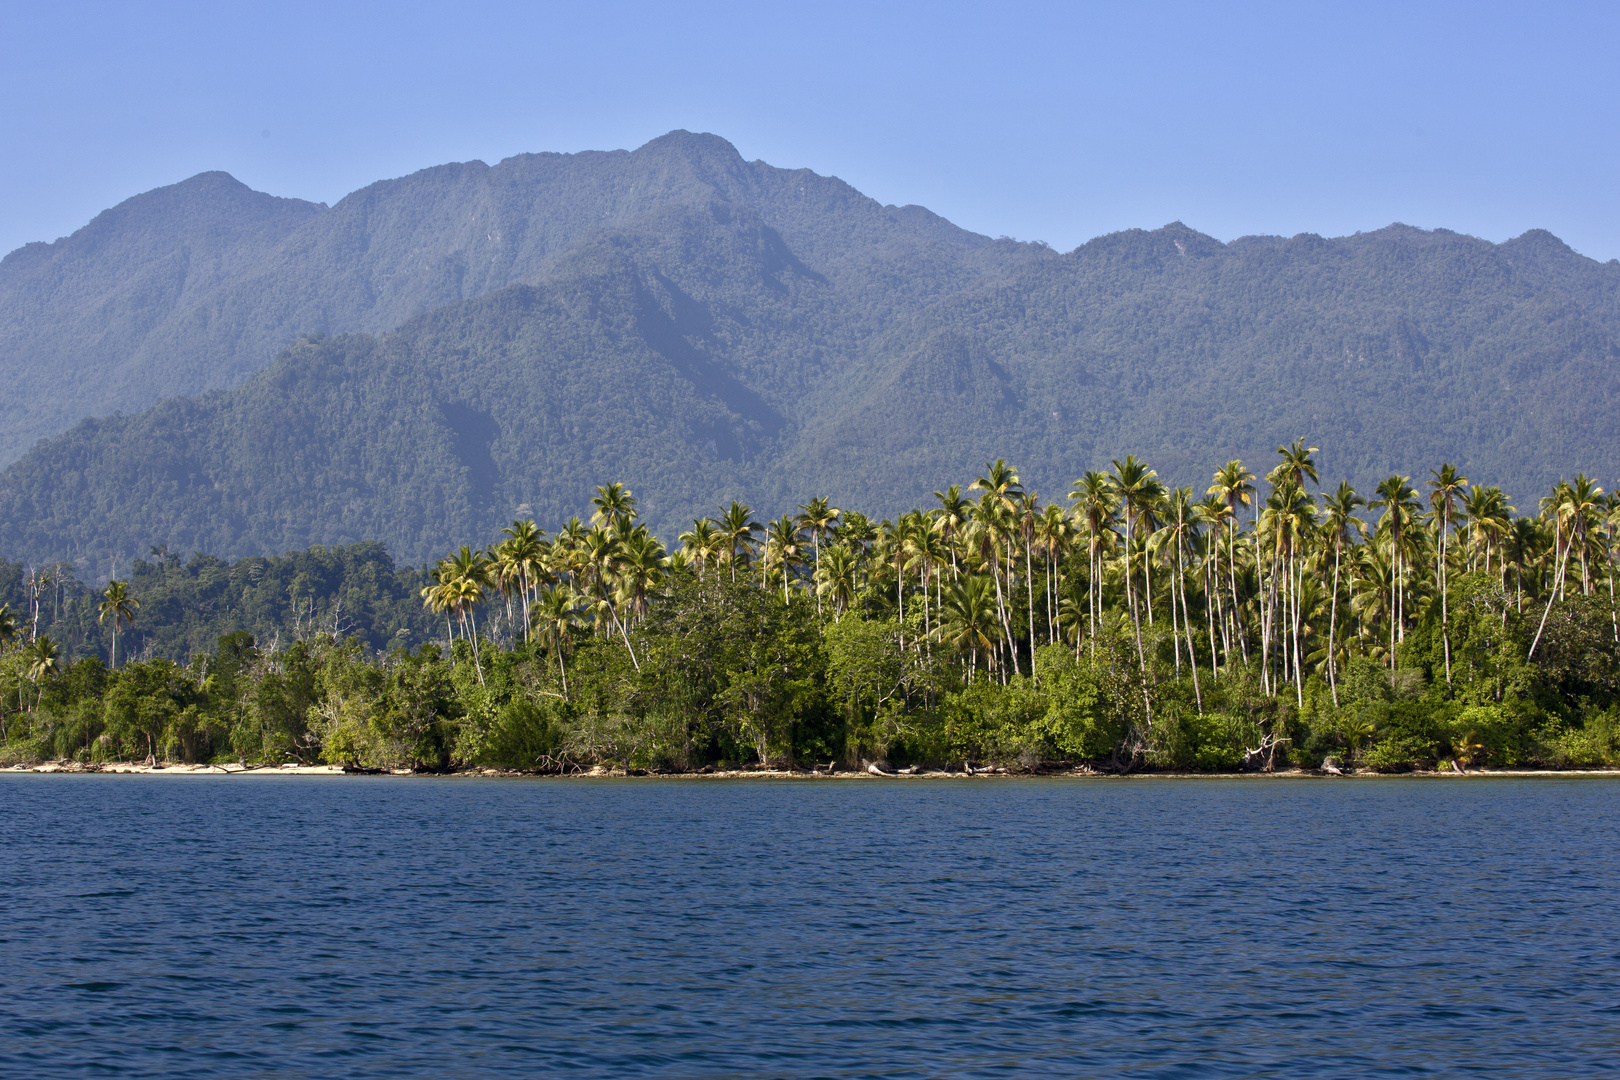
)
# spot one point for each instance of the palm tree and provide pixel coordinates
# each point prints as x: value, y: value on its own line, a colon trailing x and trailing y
x: 1520, y: 547
x: 642, y: 561
x: 1178, y: 535
x: 600, y: 555
x: 781, y: 546
x: 553, y: 616
x: 702, y: 543
x: 1095, y: 502
x: 1297, y: 464
x: 525, y: 547
x: 9, y: 627
x: 1574, y: 509
x: 1053, y: 532
x: 836, y: 578
x: 1400, y: 506
x: 42, y: 662
x: 118, y: 605
x: 952, y: 515
x: 1445, y: 485
x: 1137, y: 489
x: 1289, y: 520
x: 1489, y: 518
x: 1234, y: 484
x: 1340, y: 520
x: 612, y: 502
x: 999, y: 507
x: 464, y: 577
x: 968, y: 620
x: 737, y: 527
x: 439, y: 597
x: 817, y: 516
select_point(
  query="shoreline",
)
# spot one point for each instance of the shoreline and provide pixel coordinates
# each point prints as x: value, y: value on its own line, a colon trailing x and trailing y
x: 130, y: 768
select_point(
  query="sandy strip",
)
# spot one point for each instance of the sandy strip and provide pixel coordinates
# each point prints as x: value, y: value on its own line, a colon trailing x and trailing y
x: 599, y: 772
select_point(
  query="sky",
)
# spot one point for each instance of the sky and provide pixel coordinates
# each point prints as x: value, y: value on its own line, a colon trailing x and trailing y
x: 1053, y: 122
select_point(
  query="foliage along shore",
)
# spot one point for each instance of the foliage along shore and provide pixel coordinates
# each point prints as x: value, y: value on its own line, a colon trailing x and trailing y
x: 1129, y: 627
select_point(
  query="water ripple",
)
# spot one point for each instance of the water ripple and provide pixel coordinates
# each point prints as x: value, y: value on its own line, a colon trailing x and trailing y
x: 383, y: 927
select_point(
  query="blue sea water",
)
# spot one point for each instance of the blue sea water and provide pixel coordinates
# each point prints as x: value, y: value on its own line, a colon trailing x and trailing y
x: 393, y: 927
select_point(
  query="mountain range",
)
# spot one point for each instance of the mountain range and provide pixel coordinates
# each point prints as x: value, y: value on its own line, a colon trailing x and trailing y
x: 216, y: 369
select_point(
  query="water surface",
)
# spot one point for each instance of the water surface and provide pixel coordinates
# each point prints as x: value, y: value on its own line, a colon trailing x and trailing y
x: 390, y: 927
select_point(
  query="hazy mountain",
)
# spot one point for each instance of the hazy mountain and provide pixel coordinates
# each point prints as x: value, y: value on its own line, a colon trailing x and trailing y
x: 195, y: 286
x: 736, y: 338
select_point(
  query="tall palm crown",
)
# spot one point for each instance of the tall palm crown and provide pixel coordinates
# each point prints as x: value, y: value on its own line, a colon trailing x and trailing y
x: 781, y: 548
x: 118, y: 605
x: 612, y: 501
x: 1001, y: 481
x: 702, y: 542
x: 737, y: 526
x: 1297, y: 464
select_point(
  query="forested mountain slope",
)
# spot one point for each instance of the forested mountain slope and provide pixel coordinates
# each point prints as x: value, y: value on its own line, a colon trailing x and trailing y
x: 193, y: 287
x: 700, y: 354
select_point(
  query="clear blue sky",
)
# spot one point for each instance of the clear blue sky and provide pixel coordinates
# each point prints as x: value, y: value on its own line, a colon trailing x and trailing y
x: 1052, y: 122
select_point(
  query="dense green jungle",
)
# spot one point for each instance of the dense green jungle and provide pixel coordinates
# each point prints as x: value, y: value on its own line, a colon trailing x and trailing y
x: 1256, y: 623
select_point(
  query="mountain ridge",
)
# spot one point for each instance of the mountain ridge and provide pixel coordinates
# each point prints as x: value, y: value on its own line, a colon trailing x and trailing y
x: 379, y: 256
x: 706, y: 328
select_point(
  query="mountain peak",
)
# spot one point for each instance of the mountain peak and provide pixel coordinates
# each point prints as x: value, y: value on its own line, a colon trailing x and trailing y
x: 700, y: 144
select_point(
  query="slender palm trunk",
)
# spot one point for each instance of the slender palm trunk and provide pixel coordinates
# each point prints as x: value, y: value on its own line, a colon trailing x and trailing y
x: 1029, y: 588
x: 1209, y: 618
x: 1299, y: 671
x: 1551, y: 595
x: 1186, y: 618
x: 477, y: 663
x: 1175, y: 630
x: 1333, y: 626
x: 1136, y: 622
x: 1445, y: 610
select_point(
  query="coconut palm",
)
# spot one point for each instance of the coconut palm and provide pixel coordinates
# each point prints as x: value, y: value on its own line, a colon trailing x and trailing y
x: 1053, y: 532
x: 1234, y: 485
x: 1445, y: 487
x: 118, y: 605
x: 1136, y: 488
x: 1489, y: 518
x: 952, y: 516
x: 612, y: 502
x: 1338, y: 524
x: 1575, y: 509
x: 1177, y: 536
x: 836, y: 578
x: 1399, y: 502
x: 781, y: 549
x: 552, y: 617
x: 525, y: 546
x: 1095, y: 503
x: 1297, y: 464
x: 42, y: 658
x: 998, y: 516
x: 968, y: 622
x: 463, y: 577
x: 816, y: 517
x: 641, y: 565
x: 737, y: 527
x: 702, y: 543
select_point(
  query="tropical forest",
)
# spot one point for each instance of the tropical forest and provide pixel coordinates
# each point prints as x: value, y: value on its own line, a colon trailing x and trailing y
x: 1260, y: 622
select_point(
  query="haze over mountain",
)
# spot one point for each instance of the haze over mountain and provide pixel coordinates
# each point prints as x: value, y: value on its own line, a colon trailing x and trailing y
x: 194, y: 286
x: 705, y: 328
